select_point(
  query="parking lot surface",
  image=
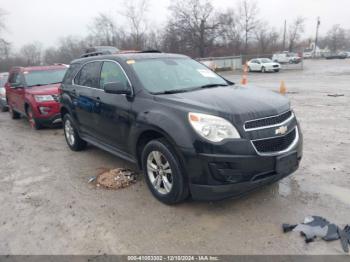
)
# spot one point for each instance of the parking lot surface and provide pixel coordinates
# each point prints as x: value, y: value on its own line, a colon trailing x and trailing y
x: 48, y: 207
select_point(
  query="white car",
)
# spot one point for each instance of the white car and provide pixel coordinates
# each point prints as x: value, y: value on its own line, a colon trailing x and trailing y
x: 286, y: 58
x: 263, y: 65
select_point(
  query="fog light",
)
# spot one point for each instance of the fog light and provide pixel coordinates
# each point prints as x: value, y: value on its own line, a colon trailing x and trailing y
x: 44, y: 110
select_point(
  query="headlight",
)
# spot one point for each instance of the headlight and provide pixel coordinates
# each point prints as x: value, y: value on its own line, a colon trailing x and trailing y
x: 212, y: 128
x: 44, y: 98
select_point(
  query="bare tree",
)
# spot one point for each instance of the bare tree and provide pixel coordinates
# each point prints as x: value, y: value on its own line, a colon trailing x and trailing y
x: 135, y: 12
x: 31, y: 53
x: 230, y: 31
x: 267, y: 38
x: 68, y: 49
x: 5, y: 49
x: 3, y: 13
x: 196, y: 23
x: 336, y: 38
x: 104, y: 30
x: 295, y: 31
x: 154, y: 39
x: 172, y: 41
x: 4, y: 45
x: 248, y: 11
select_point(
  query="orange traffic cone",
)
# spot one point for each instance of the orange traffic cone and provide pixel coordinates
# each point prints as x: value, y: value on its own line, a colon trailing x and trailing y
x: 283, y: 88
x: 244, y: 80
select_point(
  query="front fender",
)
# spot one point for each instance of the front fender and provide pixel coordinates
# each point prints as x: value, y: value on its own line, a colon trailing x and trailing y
x: 173, y: 124
x: 67, y: 104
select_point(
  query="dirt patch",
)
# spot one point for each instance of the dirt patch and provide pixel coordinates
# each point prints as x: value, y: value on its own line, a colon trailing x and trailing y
x: 116, y: 178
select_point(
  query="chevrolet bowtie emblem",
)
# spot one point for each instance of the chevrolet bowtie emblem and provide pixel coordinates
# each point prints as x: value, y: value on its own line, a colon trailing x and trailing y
x: 282, y: 130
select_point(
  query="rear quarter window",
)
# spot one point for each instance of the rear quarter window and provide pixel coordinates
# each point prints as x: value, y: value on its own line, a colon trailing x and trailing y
x: 70, y: 74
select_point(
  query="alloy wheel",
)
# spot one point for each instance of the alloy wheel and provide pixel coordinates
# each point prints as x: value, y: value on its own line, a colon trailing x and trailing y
x: 159, y: 172
x: 69, y: 132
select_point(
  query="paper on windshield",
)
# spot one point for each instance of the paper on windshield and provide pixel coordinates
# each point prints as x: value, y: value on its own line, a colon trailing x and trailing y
x: 207, y: 73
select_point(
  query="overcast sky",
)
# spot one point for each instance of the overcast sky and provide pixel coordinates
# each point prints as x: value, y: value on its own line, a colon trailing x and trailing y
x: 47, y: 20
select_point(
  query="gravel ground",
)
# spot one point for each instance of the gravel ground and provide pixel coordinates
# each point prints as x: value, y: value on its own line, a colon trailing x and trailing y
x: 48, y: 207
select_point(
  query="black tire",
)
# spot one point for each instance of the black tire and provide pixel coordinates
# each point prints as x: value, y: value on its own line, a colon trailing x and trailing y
x: 32, y: 121
x: 277, y: 70
x: 4, y: 109
x: 14, y: 114
x: 179, y: 190
x: 263, y: 70
x: 78, y: 144
x: 249, y: 69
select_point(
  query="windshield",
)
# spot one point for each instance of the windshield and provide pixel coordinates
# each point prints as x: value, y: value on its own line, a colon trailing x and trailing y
x: 266, y: 60
x: 174, y: 74
x: 40, y: 78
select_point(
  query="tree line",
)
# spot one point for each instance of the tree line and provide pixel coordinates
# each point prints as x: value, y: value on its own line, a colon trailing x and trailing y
x: 194, y: 27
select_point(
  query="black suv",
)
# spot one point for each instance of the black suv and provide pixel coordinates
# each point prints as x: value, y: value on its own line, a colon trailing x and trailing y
x: 191, y: 131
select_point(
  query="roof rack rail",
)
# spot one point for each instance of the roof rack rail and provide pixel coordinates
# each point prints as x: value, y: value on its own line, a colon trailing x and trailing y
x: 95, y: 54
x: 98, y: 53
x: 151, y: 51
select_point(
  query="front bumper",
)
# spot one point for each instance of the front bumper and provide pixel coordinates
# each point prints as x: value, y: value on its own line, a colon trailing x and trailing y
x: 50, y: 121
x: 247, y: 181
x: 273, y: 69
x: 217, y: 176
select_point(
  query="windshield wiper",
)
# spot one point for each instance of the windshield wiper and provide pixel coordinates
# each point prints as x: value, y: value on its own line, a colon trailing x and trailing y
x: 36, y: 85
x: 175, y: 91
x: 212, y: 85
x: 44, y: 84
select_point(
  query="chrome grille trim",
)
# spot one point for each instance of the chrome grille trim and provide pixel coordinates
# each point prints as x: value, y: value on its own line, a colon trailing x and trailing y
x: 269, y: 126
x: 292, y: 145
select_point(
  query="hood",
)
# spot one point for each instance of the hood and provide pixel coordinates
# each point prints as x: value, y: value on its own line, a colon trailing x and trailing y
x: 237, y: 103
x: 44, y: 90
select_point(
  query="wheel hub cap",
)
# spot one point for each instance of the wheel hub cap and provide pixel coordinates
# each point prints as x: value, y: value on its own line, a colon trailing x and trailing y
x: 159, y: 172
x: 69, y: 131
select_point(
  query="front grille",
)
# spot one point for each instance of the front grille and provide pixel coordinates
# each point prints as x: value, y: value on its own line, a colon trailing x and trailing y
x: 275, y: 66
x: 269, y: 121
x: 276, y: 144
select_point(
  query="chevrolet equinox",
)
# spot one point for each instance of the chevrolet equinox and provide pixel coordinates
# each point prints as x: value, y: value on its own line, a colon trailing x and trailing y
x: 191, y: 131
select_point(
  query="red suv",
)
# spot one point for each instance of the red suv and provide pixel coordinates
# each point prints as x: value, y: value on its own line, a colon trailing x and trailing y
x: 33, y: 92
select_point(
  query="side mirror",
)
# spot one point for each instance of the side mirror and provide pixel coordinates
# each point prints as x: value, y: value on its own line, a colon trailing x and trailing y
x: 117, y: 88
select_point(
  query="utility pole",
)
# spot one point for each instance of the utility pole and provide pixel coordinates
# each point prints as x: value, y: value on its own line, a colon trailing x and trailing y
x: 316, y: 39
x: 284, y: 35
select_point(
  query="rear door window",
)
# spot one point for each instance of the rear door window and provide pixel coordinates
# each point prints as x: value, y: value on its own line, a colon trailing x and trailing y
x: 89, y: 75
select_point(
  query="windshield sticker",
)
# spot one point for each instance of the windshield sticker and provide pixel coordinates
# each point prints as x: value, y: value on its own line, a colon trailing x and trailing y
x: 130, y: 62
x: 207, y: 73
